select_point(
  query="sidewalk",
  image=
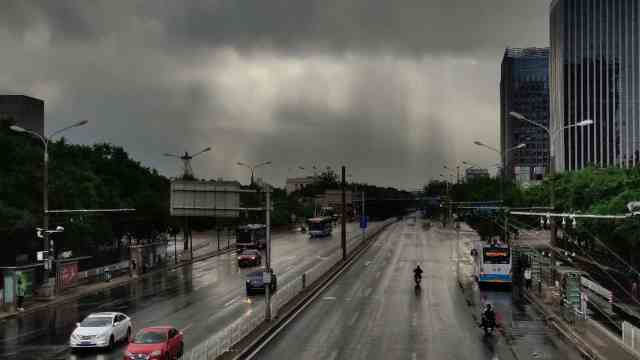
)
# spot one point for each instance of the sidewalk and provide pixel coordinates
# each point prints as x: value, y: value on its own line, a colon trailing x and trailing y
x: 33, y: 305
x: 591, y: 338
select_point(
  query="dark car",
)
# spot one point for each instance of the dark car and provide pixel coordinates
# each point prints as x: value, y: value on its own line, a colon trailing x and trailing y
x: 255, y: 282
x: 249, y: 258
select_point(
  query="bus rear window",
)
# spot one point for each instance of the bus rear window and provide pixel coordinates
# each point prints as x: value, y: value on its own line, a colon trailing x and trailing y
x: 495, y: 256
x: 244, y: 236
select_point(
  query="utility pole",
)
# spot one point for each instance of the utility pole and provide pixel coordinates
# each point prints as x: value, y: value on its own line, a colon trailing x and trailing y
x: 506, y: 225
x: 343, y: 237
x: 364, y: 217
x: 267, y: 287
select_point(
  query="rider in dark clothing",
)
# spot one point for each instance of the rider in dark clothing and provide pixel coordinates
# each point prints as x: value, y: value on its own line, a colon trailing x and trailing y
x: 417, y: 272
x: 489, y: 315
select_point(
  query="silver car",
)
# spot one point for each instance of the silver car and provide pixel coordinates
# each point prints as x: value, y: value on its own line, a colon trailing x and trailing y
x: 101, y: 330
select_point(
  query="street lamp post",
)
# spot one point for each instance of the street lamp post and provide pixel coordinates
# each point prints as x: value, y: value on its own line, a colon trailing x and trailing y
x: 446, y: 181
x: 48, y: 248
x: 254, y: 167
x: 552, y: 133
x: 186, y: 161
x: 502, y: 160
x: 503, y: 155
x: 457, y: 172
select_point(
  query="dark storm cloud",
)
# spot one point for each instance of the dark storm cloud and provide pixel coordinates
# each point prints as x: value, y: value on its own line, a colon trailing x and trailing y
x: 416, y: 26
x: 393, y: 89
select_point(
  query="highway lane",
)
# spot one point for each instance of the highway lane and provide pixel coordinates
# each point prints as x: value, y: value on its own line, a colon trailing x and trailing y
x: 374, y: 311
x: 201, y: 299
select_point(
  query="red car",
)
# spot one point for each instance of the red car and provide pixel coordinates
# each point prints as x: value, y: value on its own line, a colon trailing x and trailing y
x: 249, y: 258
x: 155, y: 343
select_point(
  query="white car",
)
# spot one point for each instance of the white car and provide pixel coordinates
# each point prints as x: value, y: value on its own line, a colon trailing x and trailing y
x: 101, y: 330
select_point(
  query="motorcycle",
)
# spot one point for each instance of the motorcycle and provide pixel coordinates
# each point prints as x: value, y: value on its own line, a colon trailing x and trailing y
x: 487, y: 324
x: 417, y: 278
x: 303, y: 229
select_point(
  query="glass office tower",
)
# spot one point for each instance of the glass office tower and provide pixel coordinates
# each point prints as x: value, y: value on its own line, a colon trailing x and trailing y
x: 595, y: 75
x: 524, y: 88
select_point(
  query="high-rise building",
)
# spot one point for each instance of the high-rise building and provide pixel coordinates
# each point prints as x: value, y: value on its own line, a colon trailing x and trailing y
x: 24, y: 111
x: 524, y: 88
x: 595, y: 75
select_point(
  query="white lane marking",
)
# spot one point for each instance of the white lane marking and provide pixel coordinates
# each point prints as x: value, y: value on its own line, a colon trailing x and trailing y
x: 414, y: 322
x: 329, y: 298
x: 184, y: 329
x: 354, y: 318
x: 413, y: 356
x: 232, y: 301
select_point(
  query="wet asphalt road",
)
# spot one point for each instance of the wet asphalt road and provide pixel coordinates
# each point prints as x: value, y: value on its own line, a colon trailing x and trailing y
x: 201, y: 300
x: 374, y: 312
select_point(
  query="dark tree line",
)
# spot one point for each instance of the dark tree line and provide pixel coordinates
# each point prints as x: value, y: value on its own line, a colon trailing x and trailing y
x: 100, y: 176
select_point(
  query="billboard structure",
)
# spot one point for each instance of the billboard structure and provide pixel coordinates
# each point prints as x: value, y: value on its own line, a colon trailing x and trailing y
x: 219, y: 199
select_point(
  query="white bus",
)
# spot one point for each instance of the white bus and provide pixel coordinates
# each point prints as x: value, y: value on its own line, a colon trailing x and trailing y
x: 492, y: 263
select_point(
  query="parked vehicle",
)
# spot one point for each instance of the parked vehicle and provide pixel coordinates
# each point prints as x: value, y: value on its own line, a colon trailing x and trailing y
x: 101, y: 330
x: 255, y: 282
x: 156, y: 343
x: 249, y: 258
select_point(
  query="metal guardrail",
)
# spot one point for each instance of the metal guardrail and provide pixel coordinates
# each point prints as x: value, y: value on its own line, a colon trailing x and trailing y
x: 220, y: 342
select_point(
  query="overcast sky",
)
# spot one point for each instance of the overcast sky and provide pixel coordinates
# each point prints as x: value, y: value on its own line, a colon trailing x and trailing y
x: 391, y: 89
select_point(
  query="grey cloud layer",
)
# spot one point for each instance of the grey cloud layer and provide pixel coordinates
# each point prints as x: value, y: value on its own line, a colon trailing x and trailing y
x: 392, y: 88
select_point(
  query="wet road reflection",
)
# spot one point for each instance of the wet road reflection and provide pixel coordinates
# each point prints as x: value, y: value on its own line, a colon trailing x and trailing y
x: 201, y: 299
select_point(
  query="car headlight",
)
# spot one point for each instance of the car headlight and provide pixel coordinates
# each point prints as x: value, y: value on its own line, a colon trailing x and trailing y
x: 103, y: 336
x: 75, y: 336
x: 248, y: 281
x: 156, y: 353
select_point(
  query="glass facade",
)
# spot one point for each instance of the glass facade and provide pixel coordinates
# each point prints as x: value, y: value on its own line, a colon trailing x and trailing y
x: 524, y: 88
x: 595, y: 75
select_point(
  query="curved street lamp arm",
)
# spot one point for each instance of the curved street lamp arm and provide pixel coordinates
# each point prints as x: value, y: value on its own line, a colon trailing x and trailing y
x: 488, y: 147
x: 262, y: 164
x: 44, y: 140
x: 198, y: 153
x: 67, y: 128
x: 524, y: 118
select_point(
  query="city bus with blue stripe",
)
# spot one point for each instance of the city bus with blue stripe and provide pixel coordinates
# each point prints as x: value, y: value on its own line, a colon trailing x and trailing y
x: 492, y: 263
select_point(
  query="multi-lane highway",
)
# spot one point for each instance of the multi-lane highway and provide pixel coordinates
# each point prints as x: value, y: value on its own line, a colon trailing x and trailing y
x: 374, y: 311
x: 200, y: 299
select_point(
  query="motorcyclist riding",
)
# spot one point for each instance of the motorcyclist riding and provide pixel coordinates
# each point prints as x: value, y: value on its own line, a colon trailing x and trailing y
x: 488, y: 319
x: 417, y: 275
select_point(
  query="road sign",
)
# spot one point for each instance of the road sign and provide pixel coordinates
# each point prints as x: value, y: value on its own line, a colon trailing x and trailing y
x: 363, y: 222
